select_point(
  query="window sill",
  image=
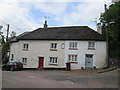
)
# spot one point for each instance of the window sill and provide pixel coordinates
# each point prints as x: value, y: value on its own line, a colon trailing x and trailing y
x: 53, y: 64
x: 53, y: 49
x: 91, y: 48
x: 73, y: 49
x: 25, y: 49
x: 72, y: 62
x: 24, y: 64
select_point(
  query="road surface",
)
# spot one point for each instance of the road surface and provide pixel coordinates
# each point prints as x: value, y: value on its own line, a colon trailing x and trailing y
x: 59, y: 79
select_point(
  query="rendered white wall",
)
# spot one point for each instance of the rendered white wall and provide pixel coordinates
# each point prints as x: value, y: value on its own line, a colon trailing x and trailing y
x: 99, y: 54
x: 14, y: 49
x: 40, y: 49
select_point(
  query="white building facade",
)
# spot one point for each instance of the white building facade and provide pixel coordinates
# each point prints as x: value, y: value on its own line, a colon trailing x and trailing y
x: 76, y: 56
x: 56, y: 53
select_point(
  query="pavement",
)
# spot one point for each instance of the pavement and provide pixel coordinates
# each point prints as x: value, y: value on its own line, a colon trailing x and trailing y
x: 107, y: 69
x: 59, y: 79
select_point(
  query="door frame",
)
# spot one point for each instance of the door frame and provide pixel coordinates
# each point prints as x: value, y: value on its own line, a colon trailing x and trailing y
x: 91, y: 62
x: 39, y: 62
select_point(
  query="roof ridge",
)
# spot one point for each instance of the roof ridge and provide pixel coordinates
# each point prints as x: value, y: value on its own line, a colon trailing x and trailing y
x: 63, y: 27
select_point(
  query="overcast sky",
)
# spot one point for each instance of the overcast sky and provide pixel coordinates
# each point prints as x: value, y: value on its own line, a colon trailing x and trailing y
x: 28, y: 15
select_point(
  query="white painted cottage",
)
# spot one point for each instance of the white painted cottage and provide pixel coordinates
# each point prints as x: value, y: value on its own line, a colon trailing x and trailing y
x: 53, y: 47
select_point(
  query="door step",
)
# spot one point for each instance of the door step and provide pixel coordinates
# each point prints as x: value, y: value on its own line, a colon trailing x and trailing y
x: 40, y: 69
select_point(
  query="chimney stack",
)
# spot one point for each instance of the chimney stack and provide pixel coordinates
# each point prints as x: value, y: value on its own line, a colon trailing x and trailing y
x: 45, y: 25
x: 99, y: 28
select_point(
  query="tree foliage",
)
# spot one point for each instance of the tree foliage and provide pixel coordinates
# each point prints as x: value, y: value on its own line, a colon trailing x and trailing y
x: 112, y: 17
x: 5, y: 50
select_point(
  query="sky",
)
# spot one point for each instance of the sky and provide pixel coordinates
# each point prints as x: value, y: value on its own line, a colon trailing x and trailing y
x: 28, y: 15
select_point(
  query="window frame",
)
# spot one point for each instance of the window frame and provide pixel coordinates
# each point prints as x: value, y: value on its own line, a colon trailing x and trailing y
x: 73, y: 45
x: 53, y: 60
x: 25, y: 46
x: 73, y: 58
x: 24, y: 60
x: 53, y: 46
x: 12, y: 56
x: 91, y: 45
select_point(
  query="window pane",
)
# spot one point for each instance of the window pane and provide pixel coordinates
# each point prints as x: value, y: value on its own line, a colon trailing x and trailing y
x: 12, y: 56
x: 26, y: 46
x: 55, y: 45
x: 56, y: 60
x: 69, y: 57
x: 23, y: 45
x: 50, y: 59
x: 75, y: 45
x: 89, y: 44
x: 72, y: 57
x: 25, y: 60
x: 91, y: 56
x: 93, y: 44
x: 53, y: 60
x: 75, y: 57
x: 70, y: 45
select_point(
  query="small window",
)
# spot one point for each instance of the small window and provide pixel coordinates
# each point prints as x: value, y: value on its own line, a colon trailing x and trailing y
x: 91, y: 44
x: 53, y: 60
x: 72, y: 58
x: 73, y: 45
x: 53, y: 45
x: 24, y: 60
x: 12, y: 56
x: 25, y: 46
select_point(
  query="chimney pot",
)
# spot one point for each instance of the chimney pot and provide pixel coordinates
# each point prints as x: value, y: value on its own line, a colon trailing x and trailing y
x: 45, y: 25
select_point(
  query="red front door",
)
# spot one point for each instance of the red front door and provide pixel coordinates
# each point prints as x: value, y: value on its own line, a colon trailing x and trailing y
x: 41, y: 62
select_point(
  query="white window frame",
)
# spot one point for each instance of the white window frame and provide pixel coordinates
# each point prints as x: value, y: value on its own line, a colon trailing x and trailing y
x: 24, y: 60
x: 25, y: 46
x: 73, y: 45
x: 53, y: 46
x: 91, y: 44
x: 72, y: 58
x: 53, y: 60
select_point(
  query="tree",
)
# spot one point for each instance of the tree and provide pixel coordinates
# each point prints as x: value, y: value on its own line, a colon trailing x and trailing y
x: 13, y: 34
x: 112, y: 17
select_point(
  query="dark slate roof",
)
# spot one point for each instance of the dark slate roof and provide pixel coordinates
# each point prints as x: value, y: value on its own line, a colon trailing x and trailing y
x: 63, y: 33
x: 16, y: 38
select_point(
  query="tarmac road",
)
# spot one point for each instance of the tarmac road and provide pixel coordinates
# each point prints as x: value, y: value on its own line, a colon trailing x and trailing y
x: 59, y: 79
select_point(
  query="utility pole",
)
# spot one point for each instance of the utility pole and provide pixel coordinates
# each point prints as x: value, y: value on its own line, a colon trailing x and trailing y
x: 107, y: 38
x: 7, y: 32
x: 0, y: 30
